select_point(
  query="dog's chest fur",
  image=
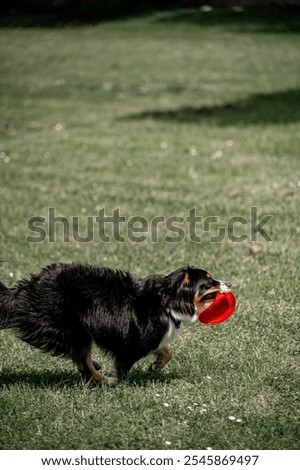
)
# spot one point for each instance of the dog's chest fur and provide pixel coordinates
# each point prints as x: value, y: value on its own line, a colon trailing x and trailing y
x: 171, y: 333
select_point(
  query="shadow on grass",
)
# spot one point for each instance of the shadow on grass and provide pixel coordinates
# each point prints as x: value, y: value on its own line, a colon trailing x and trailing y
x: 38, y: 379
x: 49, y: 14
x: 256, y: 20
x: 252, y: 20
x: 280, y: 107
x: 140, y: 378
x: 66, y: 379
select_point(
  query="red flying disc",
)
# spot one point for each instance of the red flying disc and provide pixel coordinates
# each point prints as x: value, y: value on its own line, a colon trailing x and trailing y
x: 219, y: 310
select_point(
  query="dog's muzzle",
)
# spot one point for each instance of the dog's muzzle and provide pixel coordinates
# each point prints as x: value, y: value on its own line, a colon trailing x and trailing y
x: 207, y: 298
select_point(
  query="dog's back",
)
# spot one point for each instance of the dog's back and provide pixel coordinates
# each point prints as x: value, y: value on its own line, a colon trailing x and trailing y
x: 54, y: 309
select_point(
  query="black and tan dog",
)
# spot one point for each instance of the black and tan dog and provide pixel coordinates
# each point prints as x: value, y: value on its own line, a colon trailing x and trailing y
x: 66, y: 307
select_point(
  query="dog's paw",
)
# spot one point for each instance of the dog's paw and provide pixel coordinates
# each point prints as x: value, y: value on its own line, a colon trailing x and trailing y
x: 110, y: 381
x: 153, y: 367
x: 96, y: 365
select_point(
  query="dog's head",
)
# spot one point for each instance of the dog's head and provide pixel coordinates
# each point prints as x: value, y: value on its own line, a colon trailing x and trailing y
x: 188, y: 291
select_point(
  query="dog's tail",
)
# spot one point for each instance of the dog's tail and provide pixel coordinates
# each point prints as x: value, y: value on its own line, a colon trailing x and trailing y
x: 4, y: 307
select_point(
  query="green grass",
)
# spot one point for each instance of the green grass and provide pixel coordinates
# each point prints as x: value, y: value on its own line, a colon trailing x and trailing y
x: 156, y: 116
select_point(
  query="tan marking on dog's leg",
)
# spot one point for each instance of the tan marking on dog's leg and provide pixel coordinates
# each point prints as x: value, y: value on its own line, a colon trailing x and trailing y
x: 87, y: 369
x: 163, y: 356
x: 96, y: 376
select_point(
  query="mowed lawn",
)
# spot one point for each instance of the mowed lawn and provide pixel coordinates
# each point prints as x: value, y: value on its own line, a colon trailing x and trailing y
x: 156, y: 116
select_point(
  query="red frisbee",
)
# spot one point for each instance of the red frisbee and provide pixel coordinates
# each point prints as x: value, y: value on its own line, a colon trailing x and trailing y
x: 219, y: 310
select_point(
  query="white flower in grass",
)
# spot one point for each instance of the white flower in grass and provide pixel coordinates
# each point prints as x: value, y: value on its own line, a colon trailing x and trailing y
x: 166, y: 405
x: 168, y: 443
x: 193, y: 151
x: 59, y: 127
x: 217, y: 154
x: 233, y: 418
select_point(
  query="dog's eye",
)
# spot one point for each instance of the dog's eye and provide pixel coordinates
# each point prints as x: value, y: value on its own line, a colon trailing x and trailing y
x: 202, y: 287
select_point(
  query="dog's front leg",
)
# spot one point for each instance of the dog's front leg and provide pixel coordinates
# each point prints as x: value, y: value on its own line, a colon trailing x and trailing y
x: 88, y: 369
x: 163, y: 355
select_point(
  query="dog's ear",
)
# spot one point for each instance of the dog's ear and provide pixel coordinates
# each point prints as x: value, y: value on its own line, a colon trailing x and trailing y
x: 177, y: 279
x: 172, y: 283
x: 186, y: 282
x: 178, y: 290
